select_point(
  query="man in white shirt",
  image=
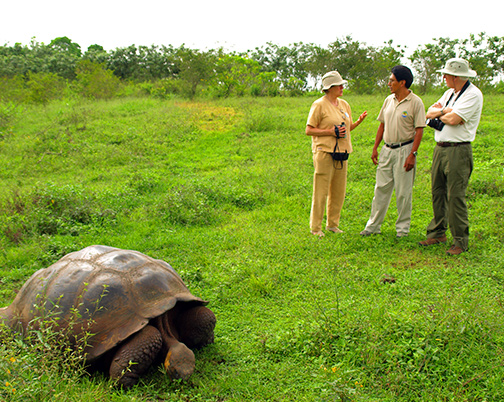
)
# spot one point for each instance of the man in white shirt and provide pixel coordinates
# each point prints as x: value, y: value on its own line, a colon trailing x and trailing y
x: 455, y: 118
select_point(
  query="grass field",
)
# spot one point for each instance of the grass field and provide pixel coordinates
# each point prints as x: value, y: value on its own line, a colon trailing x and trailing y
x: 221, y: 190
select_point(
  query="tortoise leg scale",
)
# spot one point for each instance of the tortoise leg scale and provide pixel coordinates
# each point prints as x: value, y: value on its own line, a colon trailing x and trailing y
x: 135, y: 356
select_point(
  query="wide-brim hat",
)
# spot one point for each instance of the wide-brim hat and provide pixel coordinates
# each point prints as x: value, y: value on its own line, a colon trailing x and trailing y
x: 331, y: 79
x: 458, y: 68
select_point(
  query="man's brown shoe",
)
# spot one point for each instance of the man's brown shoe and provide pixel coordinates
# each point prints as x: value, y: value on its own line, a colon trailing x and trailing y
x: 455, y: 250
x: 433, y: 240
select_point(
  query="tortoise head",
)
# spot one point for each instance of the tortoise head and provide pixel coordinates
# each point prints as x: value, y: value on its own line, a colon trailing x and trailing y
x: 179, y: 362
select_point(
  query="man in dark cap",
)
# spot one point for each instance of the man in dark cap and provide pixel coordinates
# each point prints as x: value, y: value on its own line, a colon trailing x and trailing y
x: 402, y: 119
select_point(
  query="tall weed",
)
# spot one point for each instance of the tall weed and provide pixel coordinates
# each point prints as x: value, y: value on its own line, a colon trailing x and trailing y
x: 42, y: 361
x: 9, y: 112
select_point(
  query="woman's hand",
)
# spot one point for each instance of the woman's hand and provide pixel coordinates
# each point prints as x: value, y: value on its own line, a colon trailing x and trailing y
x: 341, y: 132
x: 359, y: 120
x: 362, y: 117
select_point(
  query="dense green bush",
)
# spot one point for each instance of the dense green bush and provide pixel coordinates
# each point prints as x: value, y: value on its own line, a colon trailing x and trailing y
x: 94, y: 81
x: 49, y: 210
x: 34, y: 88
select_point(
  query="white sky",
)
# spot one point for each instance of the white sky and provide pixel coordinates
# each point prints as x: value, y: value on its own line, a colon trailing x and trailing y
x: 240, y: 26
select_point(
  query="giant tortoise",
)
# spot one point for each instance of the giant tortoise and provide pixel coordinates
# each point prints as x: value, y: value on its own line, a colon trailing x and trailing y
x: 137, y: 309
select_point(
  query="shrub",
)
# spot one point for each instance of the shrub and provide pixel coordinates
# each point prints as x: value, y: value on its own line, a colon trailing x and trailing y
x: 12, y: 89
x: 43, y: 87
x: 188, y: 206
x: 163, y: 88
x: 95, y: 81
x: 8, y: 115
x: 50, y: 210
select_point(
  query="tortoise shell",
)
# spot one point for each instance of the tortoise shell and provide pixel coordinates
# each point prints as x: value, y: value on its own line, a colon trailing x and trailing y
x: 108, y: 292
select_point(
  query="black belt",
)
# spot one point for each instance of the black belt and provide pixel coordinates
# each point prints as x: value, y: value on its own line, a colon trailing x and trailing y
x: 451, y: 144
x: 394, y: 146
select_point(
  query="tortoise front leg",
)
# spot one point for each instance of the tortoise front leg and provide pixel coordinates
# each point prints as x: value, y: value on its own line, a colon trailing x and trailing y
x: 195, y: 326
x: 136, y: 356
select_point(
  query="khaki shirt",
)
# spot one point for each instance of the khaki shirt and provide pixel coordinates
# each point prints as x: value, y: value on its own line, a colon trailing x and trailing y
x: 401, y: 118
x: 323, y: 114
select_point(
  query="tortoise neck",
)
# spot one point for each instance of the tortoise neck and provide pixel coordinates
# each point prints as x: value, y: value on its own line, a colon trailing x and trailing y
x: 164, y: 324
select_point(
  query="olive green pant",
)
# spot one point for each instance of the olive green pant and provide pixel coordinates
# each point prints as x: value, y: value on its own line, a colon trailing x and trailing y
x: 451, y: 170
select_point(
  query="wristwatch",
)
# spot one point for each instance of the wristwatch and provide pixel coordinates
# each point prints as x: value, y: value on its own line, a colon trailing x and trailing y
x: 415, y: 153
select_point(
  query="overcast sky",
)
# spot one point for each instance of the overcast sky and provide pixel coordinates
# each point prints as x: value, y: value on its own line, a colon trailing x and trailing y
x: 240, y: 26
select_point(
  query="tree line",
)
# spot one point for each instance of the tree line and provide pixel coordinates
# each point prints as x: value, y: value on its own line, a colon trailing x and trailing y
x: 38, y: 71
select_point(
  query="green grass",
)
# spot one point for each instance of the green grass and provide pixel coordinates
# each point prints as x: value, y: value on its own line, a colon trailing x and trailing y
x: 221, y: 190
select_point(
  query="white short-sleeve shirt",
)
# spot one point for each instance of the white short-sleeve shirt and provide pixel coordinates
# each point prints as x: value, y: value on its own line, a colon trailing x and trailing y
x: 468, y: 107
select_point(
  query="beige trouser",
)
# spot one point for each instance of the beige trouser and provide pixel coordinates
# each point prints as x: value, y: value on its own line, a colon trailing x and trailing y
x: 391, y: 176
x: 329, y: 187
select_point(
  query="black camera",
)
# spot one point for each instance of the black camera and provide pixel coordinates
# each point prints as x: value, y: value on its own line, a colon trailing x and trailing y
x: 337, y: 130
x: 436, y: 124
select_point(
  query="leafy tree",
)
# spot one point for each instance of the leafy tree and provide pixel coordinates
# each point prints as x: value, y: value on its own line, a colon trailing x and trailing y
x: 124, y: 62
x: 496, y: 47
x: 144, y: 63
x: 365, y: 67
x: 485, y: 55
x: 265, y: 84
x: 195, y: 68
x: 37, y: 58
x: 19, y: 59
x: 353, y: 60
x: 12, y: 60
x: 157, y: 63
x: 64, y: 44
x: 429, y: 58
x: 238, y: 75
x: 96, y: 54
x: 318, y: 64
x: 288, y: 62
x: 383, y: 59
x: 234, y: 74
x: 95, y: 48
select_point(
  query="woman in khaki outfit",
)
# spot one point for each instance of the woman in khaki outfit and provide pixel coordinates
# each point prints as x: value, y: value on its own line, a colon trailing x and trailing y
x: 329, y: 124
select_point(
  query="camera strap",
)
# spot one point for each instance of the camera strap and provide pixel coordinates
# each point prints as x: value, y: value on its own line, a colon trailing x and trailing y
x: 338, y: 156
x: 466, y: 85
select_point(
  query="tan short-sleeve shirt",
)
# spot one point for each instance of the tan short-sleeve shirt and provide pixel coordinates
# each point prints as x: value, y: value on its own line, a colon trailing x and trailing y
x: 401, y: 118
x: 323, y: 114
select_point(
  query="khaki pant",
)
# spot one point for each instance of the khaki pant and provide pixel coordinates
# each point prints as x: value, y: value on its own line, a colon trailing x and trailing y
x: 329, y: 187
x: 451, y: 170
x: 391, y: 176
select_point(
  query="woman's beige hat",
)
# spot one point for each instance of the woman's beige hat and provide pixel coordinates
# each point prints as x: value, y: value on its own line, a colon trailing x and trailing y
x: 458, y: 68
x: 330, y: 79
